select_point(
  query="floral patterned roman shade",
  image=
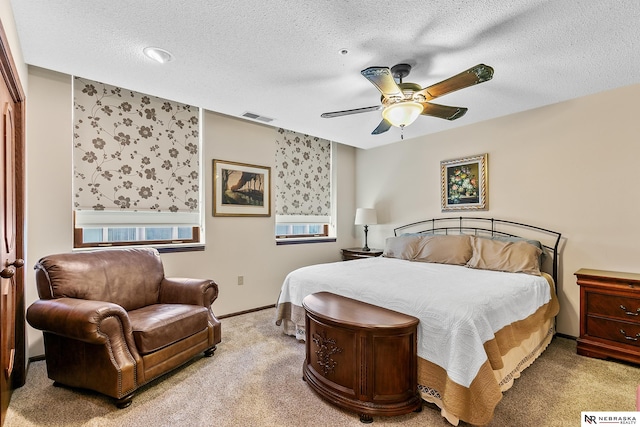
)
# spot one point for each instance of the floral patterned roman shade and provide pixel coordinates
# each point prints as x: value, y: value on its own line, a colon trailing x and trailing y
x: 303, y: 180
x: 134, y: 155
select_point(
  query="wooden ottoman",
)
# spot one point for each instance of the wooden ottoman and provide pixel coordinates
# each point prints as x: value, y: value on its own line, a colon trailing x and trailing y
x: 361, y: 357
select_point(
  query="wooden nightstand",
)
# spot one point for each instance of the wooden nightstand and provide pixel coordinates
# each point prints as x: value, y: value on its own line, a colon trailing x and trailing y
x: 357, y: 253
x: 609, y: 314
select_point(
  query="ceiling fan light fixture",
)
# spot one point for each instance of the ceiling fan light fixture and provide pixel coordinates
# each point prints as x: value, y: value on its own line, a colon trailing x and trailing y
x: 402, y: 113
x: 160, y: 55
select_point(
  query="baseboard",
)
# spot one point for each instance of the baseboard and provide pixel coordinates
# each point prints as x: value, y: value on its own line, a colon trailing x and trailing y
x: 569, y: 337
x: 37, y: 358
x: 253, y: 310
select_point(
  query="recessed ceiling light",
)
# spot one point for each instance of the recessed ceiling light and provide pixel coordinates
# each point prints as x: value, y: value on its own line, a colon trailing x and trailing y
x: 157, y: 54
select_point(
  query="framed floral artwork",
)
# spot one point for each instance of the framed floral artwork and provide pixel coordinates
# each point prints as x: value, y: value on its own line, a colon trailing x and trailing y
x: 240, y: 189
x: 464, y: 183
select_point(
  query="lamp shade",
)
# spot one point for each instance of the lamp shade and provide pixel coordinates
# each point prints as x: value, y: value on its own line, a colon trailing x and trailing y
x: 402, y: 113
x: 366, y: 216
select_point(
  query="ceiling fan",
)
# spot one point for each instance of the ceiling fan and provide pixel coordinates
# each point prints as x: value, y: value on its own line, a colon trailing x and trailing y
x: 402, y: 102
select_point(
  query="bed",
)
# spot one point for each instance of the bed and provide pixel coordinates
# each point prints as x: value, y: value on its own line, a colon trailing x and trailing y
x: 484, y: 290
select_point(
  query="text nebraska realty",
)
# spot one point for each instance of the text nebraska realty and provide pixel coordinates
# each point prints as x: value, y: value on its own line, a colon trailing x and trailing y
x: 610, y: 419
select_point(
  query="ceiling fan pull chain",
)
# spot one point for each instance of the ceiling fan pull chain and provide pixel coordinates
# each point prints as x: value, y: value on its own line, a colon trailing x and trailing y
x: 402, y: 132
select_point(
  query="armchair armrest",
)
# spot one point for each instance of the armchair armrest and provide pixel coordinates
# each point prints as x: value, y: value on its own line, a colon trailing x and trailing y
x: 95, y: 322
x: 188, y: 291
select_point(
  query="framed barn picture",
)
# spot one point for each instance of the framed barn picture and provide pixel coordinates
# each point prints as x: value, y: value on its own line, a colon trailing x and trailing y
x: 240, y: 189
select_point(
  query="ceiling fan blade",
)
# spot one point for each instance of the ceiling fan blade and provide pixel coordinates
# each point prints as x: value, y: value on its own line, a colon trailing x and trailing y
x: 347, y: 112
x: 382, y: 127
x: 382, y: 78
x: 474, y: 75
x: 442, y: 111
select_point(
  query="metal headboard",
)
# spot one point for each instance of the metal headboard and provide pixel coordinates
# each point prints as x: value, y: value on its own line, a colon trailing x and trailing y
x: 479, y: 226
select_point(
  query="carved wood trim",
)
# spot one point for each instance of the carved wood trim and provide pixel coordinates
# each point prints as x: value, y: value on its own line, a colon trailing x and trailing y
x: 326, y: 348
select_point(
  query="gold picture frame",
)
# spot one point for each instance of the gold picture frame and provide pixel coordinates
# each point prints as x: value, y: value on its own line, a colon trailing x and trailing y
x: 464, y: 183
x: 241, y: 189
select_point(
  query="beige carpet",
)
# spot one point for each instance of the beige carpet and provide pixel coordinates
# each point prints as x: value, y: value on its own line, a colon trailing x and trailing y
x: 255, y: 379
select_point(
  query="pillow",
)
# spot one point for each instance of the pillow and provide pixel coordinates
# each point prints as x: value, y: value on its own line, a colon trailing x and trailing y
x: 402, y: 247
x: 535, y: 243
x: 513, y: 257
x: 445, y: 249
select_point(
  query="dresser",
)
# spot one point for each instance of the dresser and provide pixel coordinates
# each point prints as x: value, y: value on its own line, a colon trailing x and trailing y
x: 361, y: 357
x: 609, y: 314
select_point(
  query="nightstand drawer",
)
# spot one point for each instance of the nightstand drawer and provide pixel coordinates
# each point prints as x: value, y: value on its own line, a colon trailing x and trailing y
x: 619, y: 307
x: 622, y: 332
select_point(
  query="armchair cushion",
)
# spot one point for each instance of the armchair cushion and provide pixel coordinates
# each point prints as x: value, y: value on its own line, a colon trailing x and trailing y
x: 159, y: 325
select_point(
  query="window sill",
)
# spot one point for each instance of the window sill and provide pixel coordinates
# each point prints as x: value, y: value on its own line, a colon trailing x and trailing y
x: 303, y: 240
x: 163, y: 249
x: 186, y: 248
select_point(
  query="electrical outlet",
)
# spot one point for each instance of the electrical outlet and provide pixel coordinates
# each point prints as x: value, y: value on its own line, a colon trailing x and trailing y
x: 240, y: 280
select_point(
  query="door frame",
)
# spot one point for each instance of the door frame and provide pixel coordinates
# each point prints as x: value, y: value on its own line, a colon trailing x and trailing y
x: 12, y: 80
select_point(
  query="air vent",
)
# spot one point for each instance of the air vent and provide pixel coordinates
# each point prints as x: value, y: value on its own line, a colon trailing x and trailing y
x: 254, y: 116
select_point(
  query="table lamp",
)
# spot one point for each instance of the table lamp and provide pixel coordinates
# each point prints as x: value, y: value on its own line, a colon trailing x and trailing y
x: 366, y: 217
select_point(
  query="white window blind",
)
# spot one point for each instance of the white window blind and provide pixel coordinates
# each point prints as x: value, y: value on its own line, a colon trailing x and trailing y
x: 303, y: 178
x: 134, y: 156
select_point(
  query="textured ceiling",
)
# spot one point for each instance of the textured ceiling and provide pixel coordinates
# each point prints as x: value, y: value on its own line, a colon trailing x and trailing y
x: 283, y: 60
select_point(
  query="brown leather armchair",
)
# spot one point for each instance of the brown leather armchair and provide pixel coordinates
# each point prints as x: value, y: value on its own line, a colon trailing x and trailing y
x: 112, y: 322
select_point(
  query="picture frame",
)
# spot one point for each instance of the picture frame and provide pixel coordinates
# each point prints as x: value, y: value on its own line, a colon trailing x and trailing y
x: 241, y: 189
x: 464, y: 183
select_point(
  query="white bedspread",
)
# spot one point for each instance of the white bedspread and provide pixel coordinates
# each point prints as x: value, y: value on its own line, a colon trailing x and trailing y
x: 459, y: 308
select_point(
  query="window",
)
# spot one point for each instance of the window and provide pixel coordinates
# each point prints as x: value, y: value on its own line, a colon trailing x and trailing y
x: 102, y: 228
x: 136, y: 165
x: 115, y: 236
x: 303, y: 184
x: 284, y: 230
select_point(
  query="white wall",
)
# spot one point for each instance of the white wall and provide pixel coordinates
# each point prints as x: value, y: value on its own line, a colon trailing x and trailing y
x: 570, y: 167
x: 235, y: 246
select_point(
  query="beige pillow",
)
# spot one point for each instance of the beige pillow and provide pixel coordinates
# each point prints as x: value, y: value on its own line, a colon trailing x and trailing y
x: 445, y: 249
x: 513, y: 257
x: 402, y: 247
